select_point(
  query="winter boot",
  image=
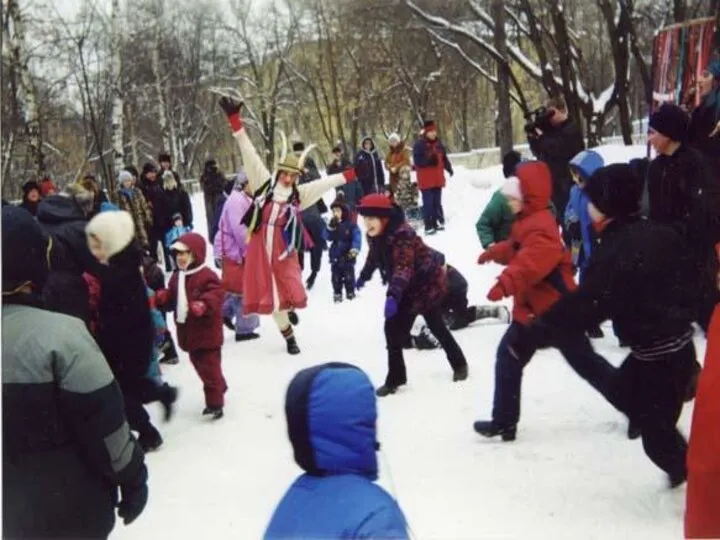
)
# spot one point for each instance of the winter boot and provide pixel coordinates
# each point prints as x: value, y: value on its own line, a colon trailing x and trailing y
x: 227, y: 321
x: 677, y: 480
x: 633, y: 431
x: 385, y: 390
x: 292, y: 346
x: 430, y: 232
x: 150, y: 440
x: 596, y: 333
x: 493, y: 429
x: 310, y: 283
x: 460, y: 374
x: 168, y: 396
x: 216, y: 412
x: 168, y: 351
x: 456, y: 322
x: 492, y: 312
x: 246, y: 337
x: 293, y: 318
x: 440, y: 226
x: 408, y: 342
x: 425, y: 340
x: 337, y: 298
x: 351, y: 296
x: 691, y: 388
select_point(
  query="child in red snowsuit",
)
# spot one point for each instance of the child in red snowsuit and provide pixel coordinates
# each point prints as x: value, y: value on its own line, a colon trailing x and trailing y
x: 195, y: 293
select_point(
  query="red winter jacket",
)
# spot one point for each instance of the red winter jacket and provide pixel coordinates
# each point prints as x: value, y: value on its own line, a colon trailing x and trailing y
x: 205, y: 332
x: 539, y: 268
x: 702, y: 519
x: 431, y: 162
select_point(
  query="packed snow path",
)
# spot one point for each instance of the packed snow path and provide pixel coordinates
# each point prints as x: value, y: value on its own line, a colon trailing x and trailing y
x: 572, y: 473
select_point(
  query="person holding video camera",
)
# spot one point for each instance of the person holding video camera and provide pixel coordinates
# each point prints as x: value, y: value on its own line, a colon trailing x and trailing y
x: 555, y: 139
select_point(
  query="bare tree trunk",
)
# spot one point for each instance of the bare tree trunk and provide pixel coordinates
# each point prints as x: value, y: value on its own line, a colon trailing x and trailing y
x: 157, y: 74
x: 502, y: 90
x: 117, y: 106
x: 679, y: 10
x: 7, y: 156
x: 133, y: 137
x: 27, y: 86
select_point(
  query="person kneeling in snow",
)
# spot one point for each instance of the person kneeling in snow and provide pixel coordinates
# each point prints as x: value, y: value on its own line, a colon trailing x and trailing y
x: 332, y: 420
x: 195, y: 291
x: 417, y: 286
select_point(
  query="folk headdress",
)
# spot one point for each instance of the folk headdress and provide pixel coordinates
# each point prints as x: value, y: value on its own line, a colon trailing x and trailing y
x: 294, y: 233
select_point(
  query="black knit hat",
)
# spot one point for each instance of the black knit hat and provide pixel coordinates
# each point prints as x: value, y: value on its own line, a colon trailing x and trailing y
x: 298, y: 146
x: 336, y: 149
x: 509, y: 162
x: 164, y: 156
x: 29, y: 186
x: 671, y: 121
x: 615, y: 190
x: 24, y: 250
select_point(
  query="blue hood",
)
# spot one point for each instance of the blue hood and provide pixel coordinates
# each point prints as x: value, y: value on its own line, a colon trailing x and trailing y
x: 331, y: 415
x: 586, y: 163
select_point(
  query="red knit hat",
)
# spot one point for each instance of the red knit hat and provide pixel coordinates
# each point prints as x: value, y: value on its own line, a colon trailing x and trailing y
x: 375, y: 205
x: 429, y: 125
x: 47, y: 187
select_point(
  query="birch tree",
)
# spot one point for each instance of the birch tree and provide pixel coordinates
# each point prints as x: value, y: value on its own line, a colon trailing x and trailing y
x: 117, y: 103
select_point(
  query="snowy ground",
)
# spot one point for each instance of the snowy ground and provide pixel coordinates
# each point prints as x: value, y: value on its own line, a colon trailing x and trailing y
x: 571, y: 474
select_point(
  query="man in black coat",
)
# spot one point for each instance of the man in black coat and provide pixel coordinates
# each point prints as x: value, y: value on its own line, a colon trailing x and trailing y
x: 556, y: 142
x: 64, y: 218
x: 212, y: 183
x: 684, y: 195
x: 66, y: 444
x: 640, y: 276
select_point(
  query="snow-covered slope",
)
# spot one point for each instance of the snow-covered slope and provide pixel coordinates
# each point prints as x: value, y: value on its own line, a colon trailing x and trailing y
x: 571, y: 474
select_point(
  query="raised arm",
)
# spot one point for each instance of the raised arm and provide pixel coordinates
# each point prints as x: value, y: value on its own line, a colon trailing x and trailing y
x: 311, y: 192
x: 254, y: 165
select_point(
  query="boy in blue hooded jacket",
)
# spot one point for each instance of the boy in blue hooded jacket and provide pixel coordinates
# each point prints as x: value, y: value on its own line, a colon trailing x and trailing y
x: 331, y: 415
x: 577, y: 217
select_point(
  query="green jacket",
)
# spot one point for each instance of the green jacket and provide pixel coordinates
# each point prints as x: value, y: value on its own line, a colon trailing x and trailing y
x: 495, y: 222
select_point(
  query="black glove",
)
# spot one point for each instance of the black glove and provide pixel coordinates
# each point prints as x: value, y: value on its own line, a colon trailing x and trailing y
x: 134, y: 497
x: 230, y: 106
x: 433, y: 160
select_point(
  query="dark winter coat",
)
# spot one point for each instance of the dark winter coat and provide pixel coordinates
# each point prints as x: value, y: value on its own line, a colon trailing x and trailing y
x: 212, y: 183
x: 344, y: 236
x: 684, y: 195
x: 416, y: 279
x: 312, y: 216
x: 66, y: 444
x: 336, y: 166
x: 556, y: 147
x: 431, y: 161
x: 639, y: 277
x: 703, y: 120
x: 155, y: 195
x: 206, y: 332
x: 133, y: 201
x: 31, y: 207
x: 125, y: 329
x: 369, y: 169
x: 215, y: 224
x: 177, y: 201
x: 539, y: 270
x: 66, y: 291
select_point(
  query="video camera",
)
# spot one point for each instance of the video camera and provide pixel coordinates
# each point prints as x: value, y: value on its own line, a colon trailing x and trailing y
x: 538, y: 119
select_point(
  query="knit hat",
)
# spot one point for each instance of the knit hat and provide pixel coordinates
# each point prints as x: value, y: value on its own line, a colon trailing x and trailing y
x: 132, y: 169
x: 336, y: 149
x: 298, y: 146
x: 714, y: 68
x: 114, y: 230
x: 47, y: 187
x: 511, y: 188
x: 148, y: 167
x: 509, y: 162
x: 164, y: 156
x: 615, y: 190
x: 375, y: 205
x: 125, y: 176
x: 586, y: 163
x: 671, y: 121
x: 394, y: 138
x: 29, y: 186
x: 429, y: 125
x: 241, y: 179
x: 25, y: 250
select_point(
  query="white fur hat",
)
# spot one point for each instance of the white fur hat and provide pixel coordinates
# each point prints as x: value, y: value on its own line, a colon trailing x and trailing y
x: 125, y: 176
x: 394, y: 138
x: 114, y: 230
x: 511, y: 188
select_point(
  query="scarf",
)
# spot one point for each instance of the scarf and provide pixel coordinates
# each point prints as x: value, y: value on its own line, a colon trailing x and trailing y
x: 181, y: 310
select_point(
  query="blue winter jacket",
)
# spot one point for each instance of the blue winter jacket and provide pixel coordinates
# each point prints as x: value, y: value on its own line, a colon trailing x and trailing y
x: 369, y: 169
x: 343, y: 237
x: 583, y: 164
x: 173, y: 234
x: 331, y: 414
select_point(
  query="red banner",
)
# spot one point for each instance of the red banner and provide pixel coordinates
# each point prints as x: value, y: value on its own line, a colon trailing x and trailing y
x: 680, y: 53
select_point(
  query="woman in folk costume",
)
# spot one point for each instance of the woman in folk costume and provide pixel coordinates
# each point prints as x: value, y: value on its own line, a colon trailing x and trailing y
x: 273, y: 279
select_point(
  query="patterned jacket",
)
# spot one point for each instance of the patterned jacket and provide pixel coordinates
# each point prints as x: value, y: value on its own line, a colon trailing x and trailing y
x: 133, y: 201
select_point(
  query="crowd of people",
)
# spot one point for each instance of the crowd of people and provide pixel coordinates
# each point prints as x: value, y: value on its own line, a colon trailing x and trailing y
x: 643, y: 238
